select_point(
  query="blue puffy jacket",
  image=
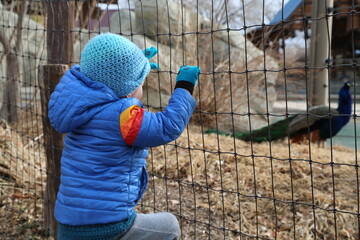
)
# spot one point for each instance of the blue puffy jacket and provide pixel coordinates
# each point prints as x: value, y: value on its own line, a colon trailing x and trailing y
x: 103, y: 165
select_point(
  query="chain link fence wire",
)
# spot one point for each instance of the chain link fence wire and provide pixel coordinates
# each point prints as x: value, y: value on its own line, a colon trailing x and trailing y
x: 257, y: 69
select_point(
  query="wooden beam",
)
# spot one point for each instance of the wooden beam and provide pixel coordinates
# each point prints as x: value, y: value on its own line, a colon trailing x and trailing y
x: 49, y: 76
x: 60, y: 52
x: 60, y: 24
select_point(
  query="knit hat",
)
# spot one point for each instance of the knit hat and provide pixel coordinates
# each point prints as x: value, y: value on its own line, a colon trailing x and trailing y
x: 116, y: 62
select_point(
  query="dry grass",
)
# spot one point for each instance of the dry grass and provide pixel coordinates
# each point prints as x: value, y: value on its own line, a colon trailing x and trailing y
x: 216, y: 187
x: 22, y: 179
x: 210, y: 188
x: 23, y: 157
x: 21, y: 213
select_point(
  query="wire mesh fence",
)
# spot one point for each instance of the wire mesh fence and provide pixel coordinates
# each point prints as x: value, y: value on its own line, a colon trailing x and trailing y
x: 262, y: 62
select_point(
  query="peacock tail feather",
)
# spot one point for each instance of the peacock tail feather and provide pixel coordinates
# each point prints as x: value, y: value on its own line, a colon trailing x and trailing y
x: 272, y: 132
x: 275, y: 131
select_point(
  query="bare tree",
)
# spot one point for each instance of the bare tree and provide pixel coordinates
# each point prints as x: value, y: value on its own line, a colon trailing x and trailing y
x: 10, y: 110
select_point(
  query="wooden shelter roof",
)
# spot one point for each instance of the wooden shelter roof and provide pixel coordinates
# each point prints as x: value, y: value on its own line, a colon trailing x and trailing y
x: 296, y: 15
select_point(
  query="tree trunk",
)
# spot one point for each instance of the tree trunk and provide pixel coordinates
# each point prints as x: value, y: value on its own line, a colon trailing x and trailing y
x: 10, y: 110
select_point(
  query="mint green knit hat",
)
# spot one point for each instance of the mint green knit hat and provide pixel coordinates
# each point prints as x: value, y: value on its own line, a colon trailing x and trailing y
x: 116, y: 62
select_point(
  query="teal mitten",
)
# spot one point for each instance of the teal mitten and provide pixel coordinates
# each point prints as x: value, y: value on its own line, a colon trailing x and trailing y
x: 187, y: 77
x: 189, y: 74
x: 149, y: 53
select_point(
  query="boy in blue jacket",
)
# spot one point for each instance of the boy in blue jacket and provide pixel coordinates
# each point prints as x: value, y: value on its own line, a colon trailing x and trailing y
x: 108, y: 133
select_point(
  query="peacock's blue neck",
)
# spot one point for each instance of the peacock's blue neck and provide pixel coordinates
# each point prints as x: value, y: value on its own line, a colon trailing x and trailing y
x: 345, y: 101
x: 345, y: 106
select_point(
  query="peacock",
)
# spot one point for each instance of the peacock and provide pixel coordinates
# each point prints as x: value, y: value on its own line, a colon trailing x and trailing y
x: 319, y: 122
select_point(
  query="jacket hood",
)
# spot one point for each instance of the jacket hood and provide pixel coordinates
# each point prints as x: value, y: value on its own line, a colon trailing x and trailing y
x: 76, y: 100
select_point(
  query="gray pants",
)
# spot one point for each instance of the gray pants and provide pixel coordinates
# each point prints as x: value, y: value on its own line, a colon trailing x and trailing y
x: 157, y: 226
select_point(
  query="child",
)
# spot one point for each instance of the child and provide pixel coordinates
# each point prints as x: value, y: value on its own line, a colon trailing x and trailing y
x: 103, y: 165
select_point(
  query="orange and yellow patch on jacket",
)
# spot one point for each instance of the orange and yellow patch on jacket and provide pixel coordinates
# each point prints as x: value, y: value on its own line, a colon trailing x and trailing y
x: 130, y: 123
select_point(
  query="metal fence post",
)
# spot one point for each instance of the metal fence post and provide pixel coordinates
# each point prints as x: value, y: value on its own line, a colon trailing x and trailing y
x: 320, y: 51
